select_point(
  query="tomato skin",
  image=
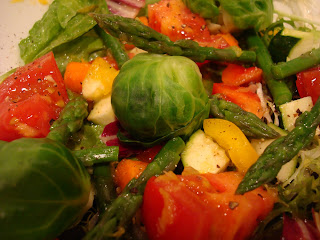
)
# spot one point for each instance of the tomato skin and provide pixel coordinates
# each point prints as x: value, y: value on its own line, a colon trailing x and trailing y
x: 174, y: 19
x: 202, y: 206
x: 182, y: 216
x: 308, y: 83
x: 241, y: 96
x: 30, y: 98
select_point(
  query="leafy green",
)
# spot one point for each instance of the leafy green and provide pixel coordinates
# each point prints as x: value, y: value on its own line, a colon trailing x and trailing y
x: 43, y: 189
x: 205, y: 8
x: 158, y: 97
x: 302, y: 191
x: 63, y: 22
x: 84, y: 48
x: 244, y: 14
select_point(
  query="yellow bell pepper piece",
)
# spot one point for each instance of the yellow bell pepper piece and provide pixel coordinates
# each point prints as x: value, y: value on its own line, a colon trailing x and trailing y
x: 98, y: 81
x: 232, y: 139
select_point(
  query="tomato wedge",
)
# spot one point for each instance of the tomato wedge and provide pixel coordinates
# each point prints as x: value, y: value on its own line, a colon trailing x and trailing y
x: 174, y: 19
x: 31, y: 98
x: 194, y: 207
x: 308, y: 83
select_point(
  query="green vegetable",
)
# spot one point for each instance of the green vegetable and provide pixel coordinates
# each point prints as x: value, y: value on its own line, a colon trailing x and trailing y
x: 278, y: 88
x: 245, y: 14
x: 93, y: 156
x: 125, y: 206
x: 104, y: 185
x: 70, y: 120
x: 159, y: 97
x: 133, y: 31
x: 290, y: 111
x: 44, y: 189
x: 303, y: 193
x: 116, y: 48
x: 281, y: 45
x: 63, y: 22
x: 281, y: 151
x: 305, y: 61
x: 204, y: 155
x: 84, y: 48
x: 205, y: 8
x: 249, y: 123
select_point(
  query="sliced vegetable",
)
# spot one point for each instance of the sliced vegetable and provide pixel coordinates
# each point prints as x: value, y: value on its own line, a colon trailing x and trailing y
x: 175, y: 20
x: 98, y: 81
x: 289, y: 43
x: 125, y: 8
x: 30, y: 99
x: 236, y: 75
x: 308, y: 83
x: 295, y: 228
x: 202, y: 206
x: 242, y: 96
x: 75, y: 75
x: 126, y: 170
x: 204, y: 155
x: 102, y: 112
x: 292, y: 110
x: 232, y: 139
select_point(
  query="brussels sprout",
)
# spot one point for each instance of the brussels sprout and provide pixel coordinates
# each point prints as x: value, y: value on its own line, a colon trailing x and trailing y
x: 159, y: 96
x: 44, y: 189
x: 245, y: 14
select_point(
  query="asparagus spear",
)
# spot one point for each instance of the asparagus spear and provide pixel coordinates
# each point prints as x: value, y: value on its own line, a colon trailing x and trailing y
x: 305, y: 61
x: 70, y: 120
x: 104, y: 185
x: 144, y: 37
x: 113, y: 44
x: 125, y: 206
x: 249, y: 123
x: 93, y: 156
x: 278, y: 88
x: 281, y: 151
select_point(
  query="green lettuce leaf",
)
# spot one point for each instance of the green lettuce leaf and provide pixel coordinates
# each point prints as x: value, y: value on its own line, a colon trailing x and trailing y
x: 63, y: 22
x: 303, y: 190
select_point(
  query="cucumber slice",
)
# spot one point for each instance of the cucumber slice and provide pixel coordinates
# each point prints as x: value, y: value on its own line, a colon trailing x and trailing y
x: 287, y: 170
x: 291, y: 111
x: 204, y: 155
x: 288, y: 44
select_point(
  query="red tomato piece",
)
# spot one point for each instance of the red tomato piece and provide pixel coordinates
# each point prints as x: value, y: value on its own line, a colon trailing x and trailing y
x: 148, y: 154
x: 241, y: 96
x: 203, y: 207
x: 236, y: 75
x: 30, y: 98
x: 174, y: 19
x: 308, y: 83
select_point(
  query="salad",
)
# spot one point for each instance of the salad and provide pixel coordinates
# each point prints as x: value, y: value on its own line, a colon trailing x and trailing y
x: 163, y: 119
